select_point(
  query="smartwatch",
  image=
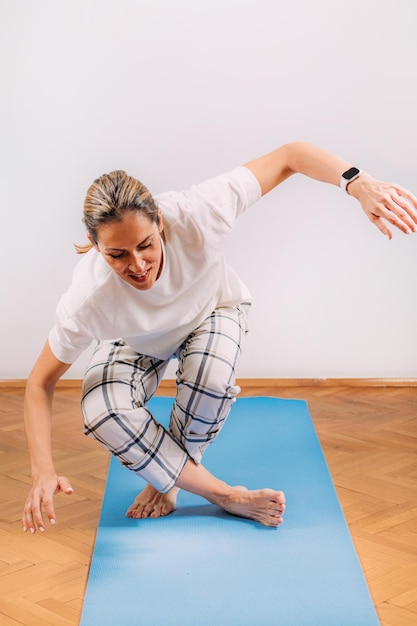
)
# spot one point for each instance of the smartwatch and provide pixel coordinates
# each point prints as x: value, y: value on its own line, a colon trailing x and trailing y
x: 347, y: 177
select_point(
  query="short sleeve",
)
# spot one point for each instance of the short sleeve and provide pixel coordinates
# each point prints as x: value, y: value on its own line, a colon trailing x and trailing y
x: 68, y: 338
x: 215, y: 203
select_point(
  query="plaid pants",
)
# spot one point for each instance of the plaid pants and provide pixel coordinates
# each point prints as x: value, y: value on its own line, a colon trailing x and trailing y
x: 119, y: 382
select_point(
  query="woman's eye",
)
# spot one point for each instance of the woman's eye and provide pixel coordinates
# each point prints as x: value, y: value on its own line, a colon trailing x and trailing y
x: 120, y: 254
x: 148, y: 245
x: 116, y: 256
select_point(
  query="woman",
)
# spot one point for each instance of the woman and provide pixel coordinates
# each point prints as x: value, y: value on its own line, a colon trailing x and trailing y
x: 154, y: 285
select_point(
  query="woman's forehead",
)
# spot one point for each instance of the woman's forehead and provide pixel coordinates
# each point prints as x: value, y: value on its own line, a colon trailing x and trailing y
x: 133, y: 228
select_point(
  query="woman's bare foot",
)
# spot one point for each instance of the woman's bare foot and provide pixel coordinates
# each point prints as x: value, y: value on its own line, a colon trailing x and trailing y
x: 265, y: 506
x: 153, y: 503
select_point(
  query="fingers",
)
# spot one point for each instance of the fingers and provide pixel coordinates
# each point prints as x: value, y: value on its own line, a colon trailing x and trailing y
x: 39, y: 504
x: 380, y: 224
x: 32, y: 519
x: 400, y: 211
x: 396, y: 211
x: 64, y: 486
x: 386, y: 203
x: 411, y: 205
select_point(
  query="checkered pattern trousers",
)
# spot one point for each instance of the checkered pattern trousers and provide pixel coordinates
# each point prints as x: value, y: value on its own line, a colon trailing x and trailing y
x: 119, y: 383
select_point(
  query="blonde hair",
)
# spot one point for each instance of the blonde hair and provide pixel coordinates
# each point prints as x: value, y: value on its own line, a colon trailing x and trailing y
x: 108, y: 199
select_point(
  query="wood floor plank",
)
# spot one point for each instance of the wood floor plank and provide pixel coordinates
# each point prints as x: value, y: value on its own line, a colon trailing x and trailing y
x: 391, y: 615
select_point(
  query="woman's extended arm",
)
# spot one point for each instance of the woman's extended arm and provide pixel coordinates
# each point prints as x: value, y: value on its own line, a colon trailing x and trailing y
x: 38, y: 418
x: 382, y: 202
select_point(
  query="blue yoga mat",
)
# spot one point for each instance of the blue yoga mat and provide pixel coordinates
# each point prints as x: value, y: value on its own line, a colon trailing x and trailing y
x: 203, y: 567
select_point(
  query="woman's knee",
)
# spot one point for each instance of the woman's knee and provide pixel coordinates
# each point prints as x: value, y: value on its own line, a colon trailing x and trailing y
x: 209, y: 375
x: 212, y: 353
x: 103, y: 400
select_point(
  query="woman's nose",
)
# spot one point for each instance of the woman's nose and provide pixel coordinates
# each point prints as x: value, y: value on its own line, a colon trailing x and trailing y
x: 137, y: 264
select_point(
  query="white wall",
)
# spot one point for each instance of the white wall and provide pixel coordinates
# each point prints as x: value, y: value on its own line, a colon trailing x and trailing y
x: 175, y: 92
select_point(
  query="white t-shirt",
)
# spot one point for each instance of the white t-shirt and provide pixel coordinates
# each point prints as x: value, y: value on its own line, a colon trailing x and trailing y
x: 195, y: 279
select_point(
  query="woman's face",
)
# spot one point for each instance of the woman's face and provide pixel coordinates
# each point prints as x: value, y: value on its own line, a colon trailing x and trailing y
x: 133, y: 248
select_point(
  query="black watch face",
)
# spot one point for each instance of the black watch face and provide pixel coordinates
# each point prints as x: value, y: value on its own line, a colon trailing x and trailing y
x: 350, y: 173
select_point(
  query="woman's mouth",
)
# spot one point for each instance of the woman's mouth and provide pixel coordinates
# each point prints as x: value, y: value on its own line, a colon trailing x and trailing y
x: 140, y: 278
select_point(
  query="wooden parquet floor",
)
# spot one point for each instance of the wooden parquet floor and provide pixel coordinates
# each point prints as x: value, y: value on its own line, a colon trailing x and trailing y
x: 369, y: 437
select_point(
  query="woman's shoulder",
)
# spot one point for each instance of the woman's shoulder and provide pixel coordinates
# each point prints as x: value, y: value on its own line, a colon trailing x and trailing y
x: 224, y: 196
x: 91, y: 280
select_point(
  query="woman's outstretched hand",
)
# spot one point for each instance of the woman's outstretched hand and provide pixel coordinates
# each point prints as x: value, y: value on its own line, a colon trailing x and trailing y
x: 385, y: 203
x: 40, y: 501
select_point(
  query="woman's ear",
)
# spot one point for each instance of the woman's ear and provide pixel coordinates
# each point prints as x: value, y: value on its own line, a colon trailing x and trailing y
x: 90, y: 239
x: 160, y: 221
